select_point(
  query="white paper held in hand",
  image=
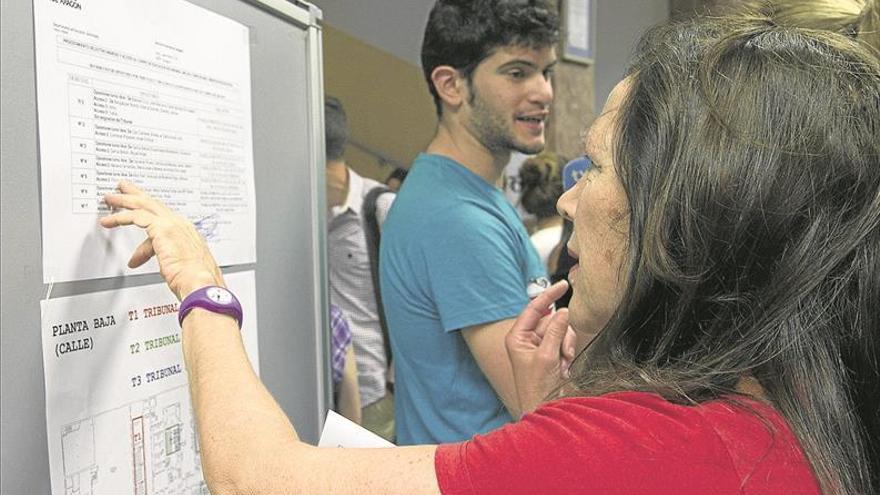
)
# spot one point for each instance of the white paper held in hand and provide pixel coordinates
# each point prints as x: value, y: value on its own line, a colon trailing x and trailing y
x: 341, y: 432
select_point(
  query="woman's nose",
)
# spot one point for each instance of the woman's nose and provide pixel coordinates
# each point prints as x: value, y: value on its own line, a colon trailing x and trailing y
x: 566, y: 205
x: 571, y: 175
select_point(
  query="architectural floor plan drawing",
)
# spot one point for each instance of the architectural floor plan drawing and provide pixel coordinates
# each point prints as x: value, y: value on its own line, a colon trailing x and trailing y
x: 152, y: 447
x: 118, y: 413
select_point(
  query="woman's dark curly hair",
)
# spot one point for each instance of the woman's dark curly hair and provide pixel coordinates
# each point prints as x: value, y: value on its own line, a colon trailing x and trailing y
x: 541, y: 180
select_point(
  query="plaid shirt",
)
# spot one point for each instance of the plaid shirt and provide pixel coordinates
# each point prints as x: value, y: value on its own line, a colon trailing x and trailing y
x: 340, y: 339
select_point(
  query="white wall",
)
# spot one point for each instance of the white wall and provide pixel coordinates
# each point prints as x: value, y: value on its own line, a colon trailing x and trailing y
x: 619, y: 25
x: 395, y: 26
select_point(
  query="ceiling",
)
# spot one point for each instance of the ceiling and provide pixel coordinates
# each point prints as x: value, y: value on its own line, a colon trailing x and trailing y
x: 394, y: 26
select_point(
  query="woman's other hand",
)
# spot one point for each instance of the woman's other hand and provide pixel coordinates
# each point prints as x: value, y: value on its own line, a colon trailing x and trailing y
x: 541, y: 347
x: 184, y: 259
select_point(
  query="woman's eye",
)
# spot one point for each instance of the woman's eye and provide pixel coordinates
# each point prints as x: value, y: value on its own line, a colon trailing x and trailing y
x: 574, y: 171
x: 591, y: 165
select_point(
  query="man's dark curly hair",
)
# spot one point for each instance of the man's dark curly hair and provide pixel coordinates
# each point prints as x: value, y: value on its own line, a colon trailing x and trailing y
x: 462, y: 33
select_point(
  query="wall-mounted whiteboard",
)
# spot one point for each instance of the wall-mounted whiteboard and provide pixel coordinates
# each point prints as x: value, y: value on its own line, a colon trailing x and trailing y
x: 286, y: 105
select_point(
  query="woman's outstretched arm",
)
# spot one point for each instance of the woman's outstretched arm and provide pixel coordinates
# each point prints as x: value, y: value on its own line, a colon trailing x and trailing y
x: 247, y: 443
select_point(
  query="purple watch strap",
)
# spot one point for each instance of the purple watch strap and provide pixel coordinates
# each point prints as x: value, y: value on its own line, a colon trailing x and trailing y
x: 212, y: 298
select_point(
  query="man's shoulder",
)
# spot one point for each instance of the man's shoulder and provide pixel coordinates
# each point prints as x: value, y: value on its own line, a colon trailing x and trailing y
x: 379, y: 194
x: 445, y: 212
x: 378, y: 191
x: 370, y: 184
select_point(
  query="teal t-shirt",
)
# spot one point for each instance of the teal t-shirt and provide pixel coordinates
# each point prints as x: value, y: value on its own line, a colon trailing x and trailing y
x: 454, y: 253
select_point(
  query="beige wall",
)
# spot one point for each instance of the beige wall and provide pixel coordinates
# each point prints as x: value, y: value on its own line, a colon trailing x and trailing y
x: 388, y: 105
x: 390, y: 110
x: 686, y: 8
x: 572, y: 111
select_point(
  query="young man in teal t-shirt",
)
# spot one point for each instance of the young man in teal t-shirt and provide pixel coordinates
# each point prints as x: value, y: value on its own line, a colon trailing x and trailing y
x: 456, y: 262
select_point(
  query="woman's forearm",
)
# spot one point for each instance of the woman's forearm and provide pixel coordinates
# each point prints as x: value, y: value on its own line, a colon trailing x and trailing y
x: 242, y: 430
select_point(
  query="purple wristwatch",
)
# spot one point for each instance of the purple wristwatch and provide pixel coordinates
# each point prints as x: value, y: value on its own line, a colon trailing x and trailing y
x: 212, y: 298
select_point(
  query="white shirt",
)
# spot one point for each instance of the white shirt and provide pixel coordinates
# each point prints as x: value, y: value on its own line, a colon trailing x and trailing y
x: 513, y: 187
x: 545, y: 240
x: 351, y: 283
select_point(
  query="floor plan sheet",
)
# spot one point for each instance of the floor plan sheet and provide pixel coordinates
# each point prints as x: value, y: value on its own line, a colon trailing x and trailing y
x: 157, y: 93
x: 118, y: 411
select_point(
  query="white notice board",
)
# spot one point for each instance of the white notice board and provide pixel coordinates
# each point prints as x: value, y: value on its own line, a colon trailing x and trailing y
x: 158, y: 93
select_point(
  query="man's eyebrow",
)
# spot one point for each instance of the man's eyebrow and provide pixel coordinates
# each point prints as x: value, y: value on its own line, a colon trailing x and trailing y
x: 523, y: 62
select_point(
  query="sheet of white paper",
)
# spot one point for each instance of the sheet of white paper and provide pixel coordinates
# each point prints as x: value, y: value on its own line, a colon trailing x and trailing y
x: 578, y: 24
x: 339, y: 431
x: 157, y: 93
x: 118, y: 414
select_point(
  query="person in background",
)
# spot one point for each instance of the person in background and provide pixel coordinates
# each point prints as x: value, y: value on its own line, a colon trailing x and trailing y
x: 456, y: 262
x: 541, y: 181
x: 395, y: 179
x: 728, y: 239
x: 346, y: 396
x: 350, y: 271
x: 512, y: 188
x: 859, y: 19
x: 560, y: 262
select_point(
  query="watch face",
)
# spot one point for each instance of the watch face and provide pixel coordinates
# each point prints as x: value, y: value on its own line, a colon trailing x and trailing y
x: 219, y: 295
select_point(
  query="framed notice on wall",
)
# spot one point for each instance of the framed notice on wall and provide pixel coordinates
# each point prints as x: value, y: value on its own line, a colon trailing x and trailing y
x: 579, y: 21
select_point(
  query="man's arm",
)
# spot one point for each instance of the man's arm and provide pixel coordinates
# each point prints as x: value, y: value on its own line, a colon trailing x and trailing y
x: 486, y: 343
x: 348, y: 401
x: 383, y: 206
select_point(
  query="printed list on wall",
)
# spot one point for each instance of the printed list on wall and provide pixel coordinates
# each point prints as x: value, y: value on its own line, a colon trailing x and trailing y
x: 157, y: 93
x: 118, y: 412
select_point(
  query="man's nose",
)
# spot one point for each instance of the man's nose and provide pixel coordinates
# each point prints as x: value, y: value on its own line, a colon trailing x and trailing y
x: 543, y: 91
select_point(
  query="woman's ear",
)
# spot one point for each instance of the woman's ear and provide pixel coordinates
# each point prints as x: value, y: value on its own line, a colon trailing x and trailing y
x: 449, y: 84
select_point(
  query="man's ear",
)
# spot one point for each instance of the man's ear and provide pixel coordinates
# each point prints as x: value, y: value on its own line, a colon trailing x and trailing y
x: 449, y: 85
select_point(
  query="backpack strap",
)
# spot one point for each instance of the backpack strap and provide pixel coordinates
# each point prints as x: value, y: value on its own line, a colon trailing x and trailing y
x: 373, y: 236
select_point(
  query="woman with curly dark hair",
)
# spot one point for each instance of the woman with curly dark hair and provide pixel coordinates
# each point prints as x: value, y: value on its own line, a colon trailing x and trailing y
x: 541, y: 181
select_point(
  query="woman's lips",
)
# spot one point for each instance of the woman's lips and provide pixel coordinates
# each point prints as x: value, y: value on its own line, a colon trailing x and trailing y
x: 575, y: 267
